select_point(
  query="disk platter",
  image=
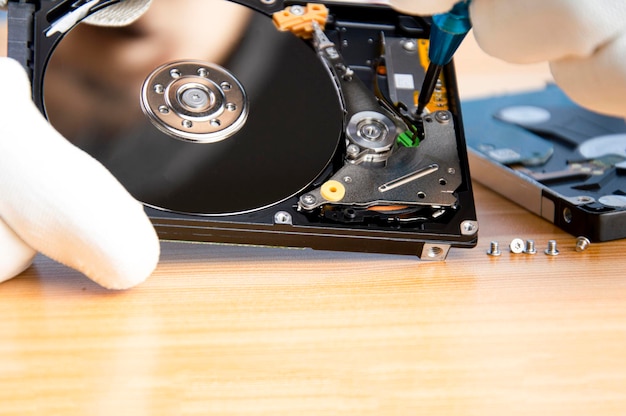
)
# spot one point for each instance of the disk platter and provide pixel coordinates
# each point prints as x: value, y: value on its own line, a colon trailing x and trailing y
x: 289, y: 136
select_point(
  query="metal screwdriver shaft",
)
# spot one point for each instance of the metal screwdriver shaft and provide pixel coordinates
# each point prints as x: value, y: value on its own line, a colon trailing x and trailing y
x: 446, y: 34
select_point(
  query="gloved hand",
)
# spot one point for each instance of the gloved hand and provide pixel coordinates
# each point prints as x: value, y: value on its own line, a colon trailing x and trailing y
x: 584, y: 41
x: 57, y: 200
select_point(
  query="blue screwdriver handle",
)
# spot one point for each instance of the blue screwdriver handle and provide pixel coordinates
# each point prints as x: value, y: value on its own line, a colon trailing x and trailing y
x: 447, y: 32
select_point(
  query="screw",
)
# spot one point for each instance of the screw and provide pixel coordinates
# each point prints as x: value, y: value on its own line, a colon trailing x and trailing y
x: 517, y: 246
x: 442, y: 116
x: 469, y: 227
x: 585, y: 199
x: 409, y: 45
x: 551, y: 250
x: 353, y: 150
x: 282, y: 217
x: 494, y: 250
x: 308, y: 199
x: 582, y: 243
x: 297, y: 10
x: 530, y: 247
x: 372, y: 131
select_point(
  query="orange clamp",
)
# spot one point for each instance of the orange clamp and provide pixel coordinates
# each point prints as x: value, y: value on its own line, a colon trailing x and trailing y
x: 299, y: 19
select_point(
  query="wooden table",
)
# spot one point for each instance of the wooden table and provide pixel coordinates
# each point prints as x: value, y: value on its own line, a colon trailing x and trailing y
x: 224, y: 330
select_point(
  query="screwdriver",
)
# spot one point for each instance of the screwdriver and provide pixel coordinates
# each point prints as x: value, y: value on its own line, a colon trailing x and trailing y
x: 446, y: 33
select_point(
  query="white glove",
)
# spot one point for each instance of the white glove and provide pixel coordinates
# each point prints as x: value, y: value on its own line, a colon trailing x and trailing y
x: 57, y: 200
x: 119, y: 14
x: 421, y: 7
x: 584, y: 41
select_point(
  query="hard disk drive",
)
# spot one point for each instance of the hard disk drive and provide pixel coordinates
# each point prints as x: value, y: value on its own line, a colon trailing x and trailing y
x: 560, y: 161
x: 294, y: 127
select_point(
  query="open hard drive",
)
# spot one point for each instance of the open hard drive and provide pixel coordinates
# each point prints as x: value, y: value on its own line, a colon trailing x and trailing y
x: 300, y: 132
x: 560, y: 161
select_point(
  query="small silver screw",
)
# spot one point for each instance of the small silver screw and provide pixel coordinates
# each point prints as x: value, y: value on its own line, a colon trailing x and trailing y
x: 516, y: 246
x: 347, y: 179
x: 442, y: 116
x: 187, y: 123
x: 530, y: 247
x: 308, y: 199
x: 494, y: 249
x: 551, y: 250
x: 372, y: 131
x: 409, y: 45
x: 159, y: 89
x: 282, y: 217
x: 297, y: 10
x: 353, y: 150
x: 585, y: 199
x: 203, y: 72
x: 582, y: 243
x: 469, y: 227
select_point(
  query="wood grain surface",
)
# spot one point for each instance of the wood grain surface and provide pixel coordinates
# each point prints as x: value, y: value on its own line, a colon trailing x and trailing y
x: 225, y: 330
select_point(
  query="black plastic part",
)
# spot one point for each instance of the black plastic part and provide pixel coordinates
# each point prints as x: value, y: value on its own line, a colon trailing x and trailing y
x: 597, y: 225
x: 20, y: 44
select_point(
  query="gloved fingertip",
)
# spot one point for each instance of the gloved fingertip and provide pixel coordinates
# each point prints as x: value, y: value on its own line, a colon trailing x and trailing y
x: 119, y: 14
x: 132, y: 273
x: 596, y: 82
x: 126, y: 261
x: 422, y: 7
